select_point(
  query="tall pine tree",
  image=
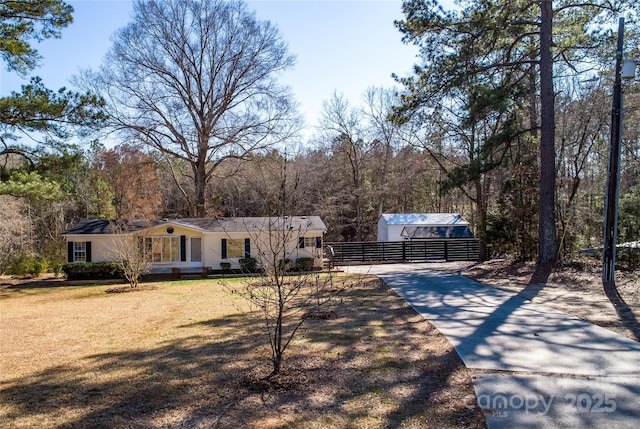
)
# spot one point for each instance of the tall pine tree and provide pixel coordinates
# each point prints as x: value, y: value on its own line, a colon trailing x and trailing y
x: 527, y: 41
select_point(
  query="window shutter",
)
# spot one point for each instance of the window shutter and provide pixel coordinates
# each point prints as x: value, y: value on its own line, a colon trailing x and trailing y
x: 318, y: 242
x: 247, y: 247
x: 69, y: 251
x: 224, y: 248
x: 88, y: 247
x: 183, y: 248
x: 301, y: 242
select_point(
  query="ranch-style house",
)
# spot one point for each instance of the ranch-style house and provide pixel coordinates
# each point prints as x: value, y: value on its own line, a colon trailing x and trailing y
x: 200, y: 243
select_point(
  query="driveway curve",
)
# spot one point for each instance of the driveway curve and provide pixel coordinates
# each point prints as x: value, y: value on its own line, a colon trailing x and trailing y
x: 532, y: 366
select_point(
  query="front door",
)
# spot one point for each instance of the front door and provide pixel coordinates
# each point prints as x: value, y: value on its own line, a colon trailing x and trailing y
x: 195, y: 246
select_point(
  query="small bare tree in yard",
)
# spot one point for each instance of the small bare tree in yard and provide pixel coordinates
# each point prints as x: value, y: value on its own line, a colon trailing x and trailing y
x: 128, y: 250
x: 289, y: 292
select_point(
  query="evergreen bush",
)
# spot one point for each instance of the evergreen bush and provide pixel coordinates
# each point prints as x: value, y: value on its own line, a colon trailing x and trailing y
x: 248, y: 265
x: 24, y: 264
x: 92, y: 271
x: 304, y: 264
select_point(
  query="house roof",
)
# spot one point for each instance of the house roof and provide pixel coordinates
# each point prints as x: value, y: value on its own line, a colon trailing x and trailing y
x: 444, y: 231
x: 237, y: 224
x: 424, y: 219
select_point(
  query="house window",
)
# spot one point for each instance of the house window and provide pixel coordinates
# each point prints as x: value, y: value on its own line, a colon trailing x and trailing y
x: 308, y: 242
x: 235, y: 248
x: 80, y: 251
x: 163, y: 249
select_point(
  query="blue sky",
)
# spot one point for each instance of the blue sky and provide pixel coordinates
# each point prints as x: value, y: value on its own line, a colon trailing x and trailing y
x: 341, y: 45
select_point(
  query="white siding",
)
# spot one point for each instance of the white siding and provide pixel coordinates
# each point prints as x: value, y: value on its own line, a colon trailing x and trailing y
x: 395, y: 232
x: 102, y: 246
x: 383, y: 229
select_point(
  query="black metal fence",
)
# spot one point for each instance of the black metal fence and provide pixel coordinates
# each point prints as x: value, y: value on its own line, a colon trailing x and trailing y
x: 404, y: 251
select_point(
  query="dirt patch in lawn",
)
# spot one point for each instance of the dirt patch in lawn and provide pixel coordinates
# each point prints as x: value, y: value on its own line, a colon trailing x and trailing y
x: 574, y: 288
x: 188, y: 354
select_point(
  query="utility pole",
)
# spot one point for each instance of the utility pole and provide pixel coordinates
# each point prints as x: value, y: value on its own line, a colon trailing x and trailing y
x: 613, y: 172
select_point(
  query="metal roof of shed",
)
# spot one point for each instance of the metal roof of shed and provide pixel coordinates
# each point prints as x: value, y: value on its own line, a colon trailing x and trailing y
x: 424, y: 219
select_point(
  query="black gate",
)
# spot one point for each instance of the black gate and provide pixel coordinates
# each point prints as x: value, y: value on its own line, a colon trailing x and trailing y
x: 404, y: 251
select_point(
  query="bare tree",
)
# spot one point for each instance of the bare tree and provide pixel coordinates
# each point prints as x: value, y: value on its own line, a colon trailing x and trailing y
x: 344, y: 126
x: 15, y: 229
x: 581, y: 129
x: 378, y: 107
x: 133, y: 180
x: 196, y: 80
x: 129, y: 251
x: 289, y: 292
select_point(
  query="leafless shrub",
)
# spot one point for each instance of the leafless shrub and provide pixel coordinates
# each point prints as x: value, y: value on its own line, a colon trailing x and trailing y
x: 129, y: 253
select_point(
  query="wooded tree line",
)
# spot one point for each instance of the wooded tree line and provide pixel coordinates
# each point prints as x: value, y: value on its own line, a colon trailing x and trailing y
x: 203, y: 128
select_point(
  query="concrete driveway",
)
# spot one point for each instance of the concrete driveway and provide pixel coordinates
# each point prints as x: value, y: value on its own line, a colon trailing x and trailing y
x: 532, y: 366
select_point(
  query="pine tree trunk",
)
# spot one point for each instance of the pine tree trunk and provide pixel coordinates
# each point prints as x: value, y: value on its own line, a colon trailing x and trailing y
x: 483, y: 253
x: 547, y: 248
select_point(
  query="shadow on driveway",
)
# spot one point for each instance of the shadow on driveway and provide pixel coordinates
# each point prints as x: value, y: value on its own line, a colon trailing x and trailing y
x: 523, y: 351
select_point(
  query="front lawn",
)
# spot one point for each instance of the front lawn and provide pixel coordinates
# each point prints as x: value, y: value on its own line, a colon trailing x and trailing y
x: 187, y: 354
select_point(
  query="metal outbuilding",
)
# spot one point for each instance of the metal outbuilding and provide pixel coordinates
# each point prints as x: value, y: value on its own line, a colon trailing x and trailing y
x: 417, y: 226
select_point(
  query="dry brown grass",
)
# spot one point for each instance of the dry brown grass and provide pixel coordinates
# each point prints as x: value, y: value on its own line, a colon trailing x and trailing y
x: 186, y: 354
